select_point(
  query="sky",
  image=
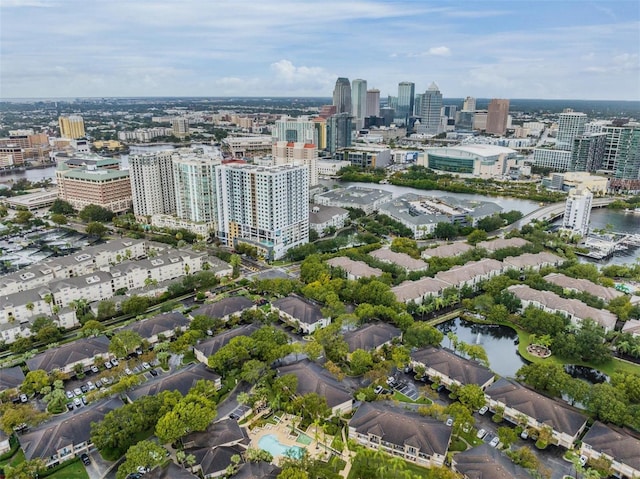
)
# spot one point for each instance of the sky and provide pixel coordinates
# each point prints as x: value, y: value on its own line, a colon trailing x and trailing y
x: 551, y: 49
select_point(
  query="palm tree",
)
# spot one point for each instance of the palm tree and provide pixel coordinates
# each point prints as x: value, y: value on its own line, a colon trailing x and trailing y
x: 48, y: 298
x: 453, y: 338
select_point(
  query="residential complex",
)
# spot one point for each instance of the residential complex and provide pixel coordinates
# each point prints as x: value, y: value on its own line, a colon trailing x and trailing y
x: 578, y: 211
x: 71, y: 126
x: 152, y: 185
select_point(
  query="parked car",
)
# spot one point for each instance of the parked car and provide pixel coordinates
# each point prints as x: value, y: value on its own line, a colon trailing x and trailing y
x: 524, y: 434
x: 481, y: 433
x: 69, y: 394
x: 146, y: 365
x: 583, y: 460
x: 84, y: 389
x: 77, y: 392
x: 70, y: 406
x: 128, y: 372
x: 114, y: 362
x: 495, y: 441
x: 449, y: 422
x: 95, y: 369
x: 90, y: 386
x: 483, y: 410
x: 391, y: 380
x: 107, y: 380
x: 23, y: 398
x: 154, y: 372
x: 108, y: 365
x: 84, y: 400
x: 378, y: 389
x: 99, y: 383
x: 77, y: 402
x: 85, y: 458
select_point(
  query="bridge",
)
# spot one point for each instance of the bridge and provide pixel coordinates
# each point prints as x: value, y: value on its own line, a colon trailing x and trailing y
x: 551, y: 212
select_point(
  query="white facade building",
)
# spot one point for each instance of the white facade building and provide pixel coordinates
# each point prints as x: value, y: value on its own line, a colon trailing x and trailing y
x: 195, y: 189
x: 152, y: 188
x: 267, y: 207
x: 298, y: 153
x: 578, y: 211
x: 297, y: 130
x: 570, y: 125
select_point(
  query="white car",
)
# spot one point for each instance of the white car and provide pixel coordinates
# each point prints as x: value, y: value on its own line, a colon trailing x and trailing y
x: 77, y: 392
x: 70, y: 394
x: 378, y: 389
x: 90, y: 385
x: 95, y: 369
x: 146, y: 365
x: 77, y: 402
x: 481, y: 433
x: 108, y: 365
x: 114, y: 362
x: 449, y: 422
x: 483, y: 410
x: 583, y: 460
x: 494, y: 442
x: 128, y: 372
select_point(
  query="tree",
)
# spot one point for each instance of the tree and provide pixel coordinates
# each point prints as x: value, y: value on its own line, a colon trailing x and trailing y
x: 135, y: 305
x: 106, y: 309
x: 445, y: 230
x: 62, y: 207
x: 524, y: 457
x: 421, y: 334
x: 476, y: 236
x: 126, y: 383
x: 545, y: 377
x: 607, y: 403
x: 34, y: 382
x: 96, y: 213
x: 12, y: 415
x: 124, y: 342
x: 235, y: 263
x: 145, y: 453
x: 360, y: 361
x: 507, y: 435
x: 194, y: 412
x: 23, y: 216
x: 472, y: 396
x: 96, y: 229
x: 59, y: 219
x: 26, y: 469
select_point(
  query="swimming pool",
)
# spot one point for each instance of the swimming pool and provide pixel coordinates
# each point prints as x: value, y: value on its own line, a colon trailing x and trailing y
x: 271, y: 444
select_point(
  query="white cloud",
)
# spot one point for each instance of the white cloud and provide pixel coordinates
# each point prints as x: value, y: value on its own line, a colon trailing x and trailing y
x: 440, y: 51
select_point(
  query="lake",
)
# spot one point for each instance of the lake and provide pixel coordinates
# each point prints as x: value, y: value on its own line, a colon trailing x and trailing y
x: 498, y: 342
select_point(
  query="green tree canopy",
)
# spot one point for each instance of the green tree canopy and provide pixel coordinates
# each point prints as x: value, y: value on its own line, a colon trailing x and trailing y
x: 124, y: 342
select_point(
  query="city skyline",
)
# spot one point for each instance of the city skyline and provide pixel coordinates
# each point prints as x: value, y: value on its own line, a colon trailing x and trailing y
x: 550, y: 50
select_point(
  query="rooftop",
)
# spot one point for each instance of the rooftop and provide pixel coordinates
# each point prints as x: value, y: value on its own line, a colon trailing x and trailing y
x: 446, y: 250
x: 313, y: 378
x: 622, y: 447
x: 453, y: 366
x: 502, y: 243
x: 210, y: 346
x: 358, y: 269
x: 299, y: 308
x: 11, y: 378
x: 371, y: 336
x: 486, y: 462
x: 224, y: 307
x: 181, y: 381
x: 58, y: 358
x: 585, y: 285
x: 541, y: 408
x: 401, y: 259
x: 320, y: 214
x: 469, y: 271
x: 161, y: 323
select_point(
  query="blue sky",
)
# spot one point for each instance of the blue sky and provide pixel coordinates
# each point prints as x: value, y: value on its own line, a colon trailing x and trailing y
x: 577, y: 49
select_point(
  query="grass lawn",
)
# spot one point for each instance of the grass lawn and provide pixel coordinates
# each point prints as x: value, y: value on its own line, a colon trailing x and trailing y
x: 17, y: 458
x: 74, y: 470
x: 189, y: 357
x: 385, y: 461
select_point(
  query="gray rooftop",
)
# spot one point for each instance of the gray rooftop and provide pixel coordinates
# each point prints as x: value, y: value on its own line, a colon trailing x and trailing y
x: 158, y: 324
x: 401, y: 259
x: 486, y: 462
x: 299, y: 308
x: 585, y: 285
x: 446, y: 250
x: 320, y: 214
x: 402, y: 428
x: 465, y: 371
x: 11, y: 378
x: 358, y: 269
x: 619, y: 445
x: 224, y: 307
x: 313, y: 378
x: 408, y: 290
x: 502, y: 243
x: 181, y: 381
x: 371, y: 336
x: 210, y: 346
x: 541, y: 408
x: 69, y: 353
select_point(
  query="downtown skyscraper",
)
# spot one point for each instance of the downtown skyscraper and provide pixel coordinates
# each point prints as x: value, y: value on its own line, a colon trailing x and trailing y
x: 406, y: 96
x: 430, y: 110
x: 342, y: 95
x: 497, y: 116
x: 359, y: 101
x: 152, y: 187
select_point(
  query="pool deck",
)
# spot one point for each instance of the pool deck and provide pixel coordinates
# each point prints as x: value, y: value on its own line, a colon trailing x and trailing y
x: 282, y: 432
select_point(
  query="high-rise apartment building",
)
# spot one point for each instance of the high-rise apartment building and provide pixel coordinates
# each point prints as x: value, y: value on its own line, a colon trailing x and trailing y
x: 469, y: 104
x: 195, y: 188
x: 295, y: 130
x: 588, y: 152
x: 622, y: 150
x: 577, y: 211
x: 71, y: 126
x: 287, y: 152
x: 180, y: 126
x: 406, y: 96
x: 359, y: 101
x: 266, y: 207
x: 570, y: 125
x: 497, y: 116
x: 431, y: 107
x: 373, y: 102
x: 342, y: 95
x: 417, y: 104
x: 152, y: 185
x: 339, y: 129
